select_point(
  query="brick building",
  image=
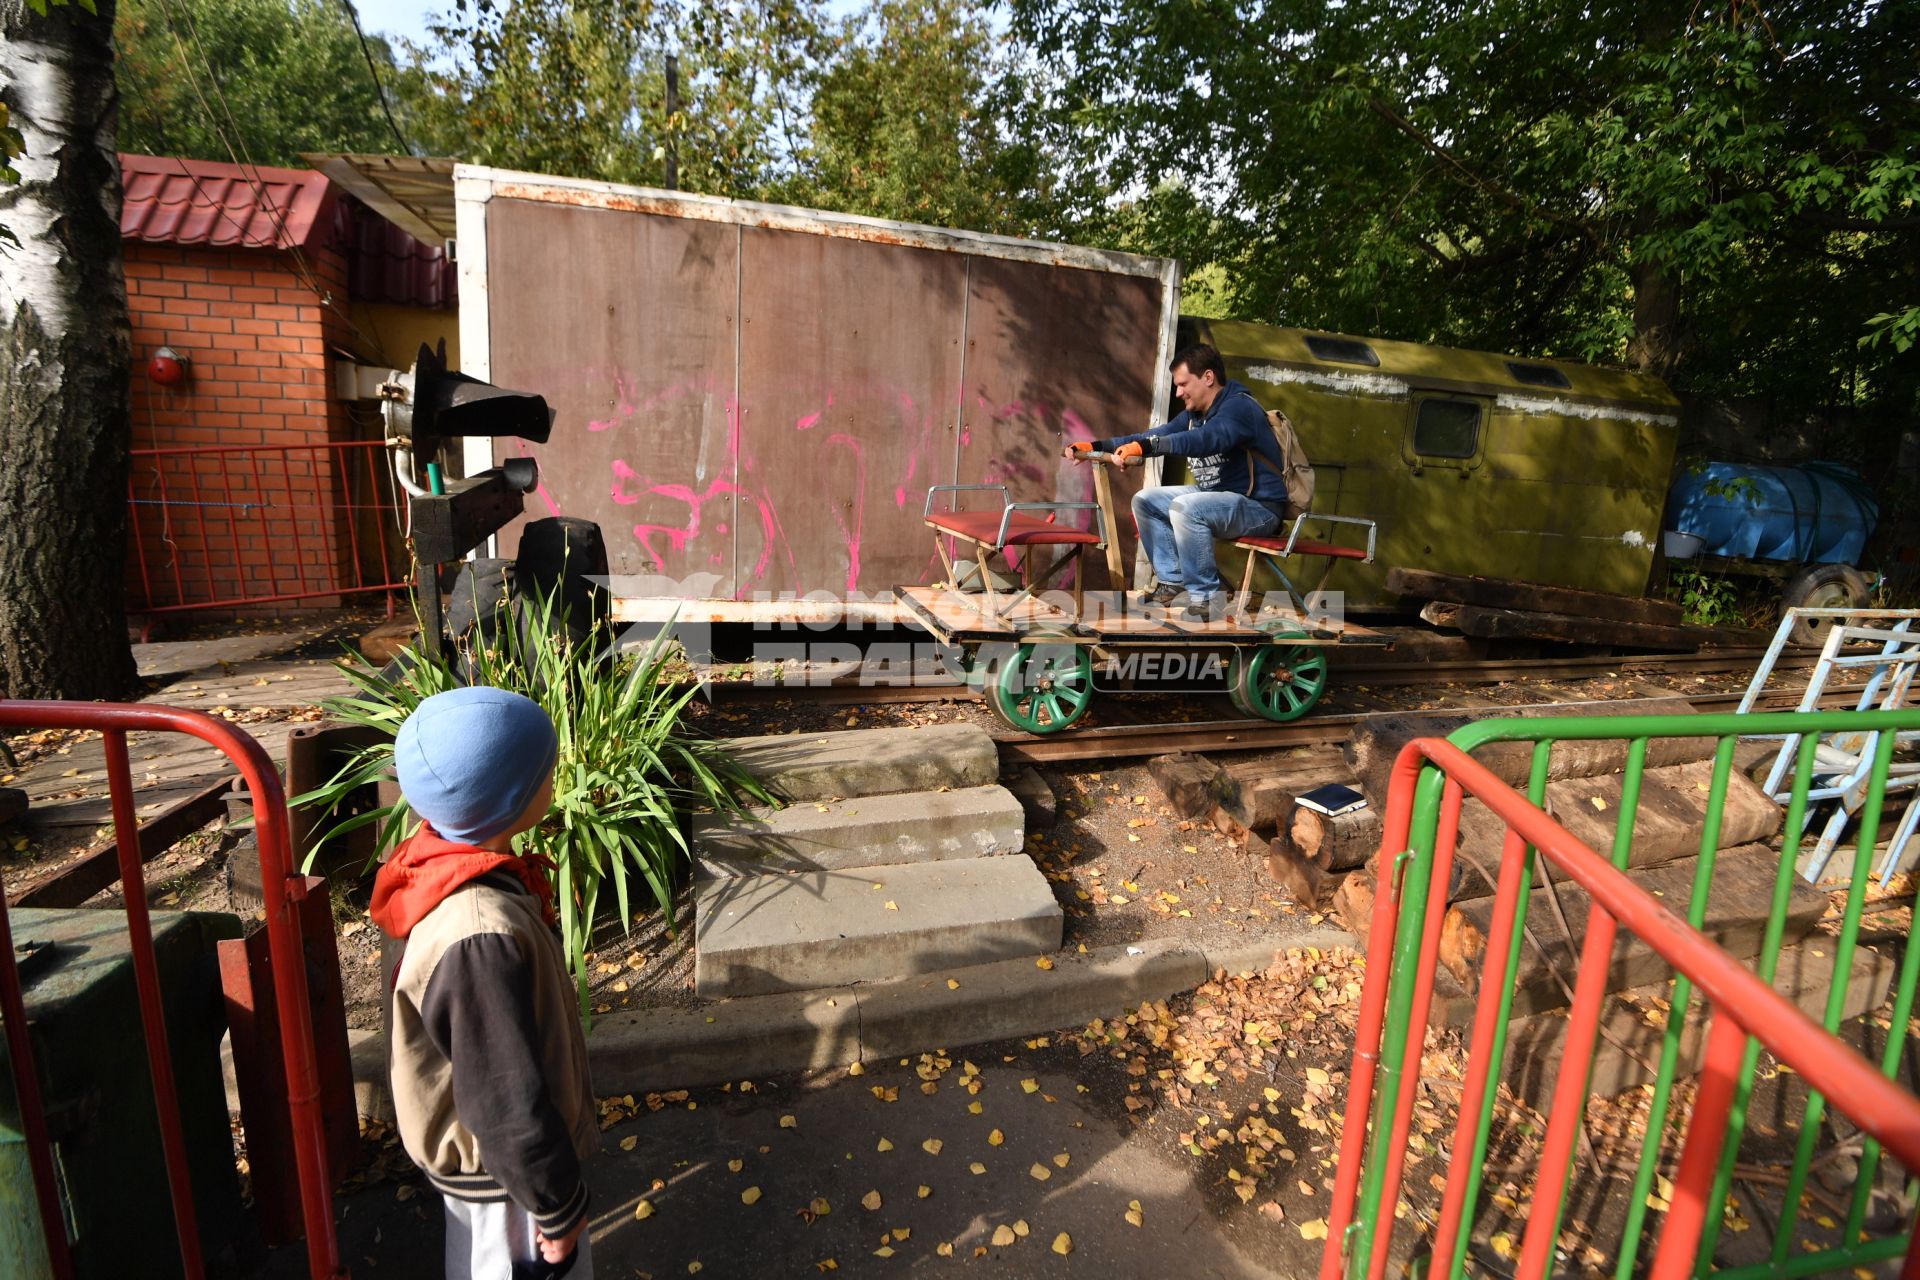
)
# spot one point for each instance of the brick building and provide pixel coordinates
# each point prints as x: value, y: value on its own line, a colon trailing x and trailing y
x: 257, y: 479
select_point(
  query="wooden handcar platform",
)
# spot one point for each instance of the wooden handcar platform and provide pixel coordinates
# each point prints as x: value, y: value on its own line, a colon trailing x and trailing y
x: 1111, y: 618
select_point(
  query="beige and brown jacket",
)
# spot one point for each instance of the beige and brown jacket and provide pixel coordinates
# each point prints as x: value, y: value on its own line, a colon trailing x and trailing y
x: 489, y: 1063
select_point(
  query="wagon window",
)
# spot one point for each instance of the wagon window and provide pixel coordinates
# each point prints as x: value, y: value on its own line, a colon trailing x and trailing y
x: 1343, y: 350
x: 1447, y: 428
x: 1538, y: 375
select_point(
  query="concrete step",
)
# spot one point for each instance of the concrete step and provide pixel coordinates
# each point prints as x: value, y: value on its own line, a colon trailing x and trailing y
x: 792, y: 932
x: 870, y: 831
x: 870, y: 762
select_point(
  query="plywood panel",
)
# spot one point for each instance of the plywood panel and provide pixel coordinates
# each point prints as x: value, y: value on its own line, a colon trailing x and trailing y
x: 625, y: 323
x: 1055, y: 354
x: 850, y: 382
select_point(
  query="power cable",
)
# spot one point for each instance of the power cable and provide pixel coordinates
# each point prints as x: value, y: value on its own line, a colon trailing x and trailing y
x: 379, y: 89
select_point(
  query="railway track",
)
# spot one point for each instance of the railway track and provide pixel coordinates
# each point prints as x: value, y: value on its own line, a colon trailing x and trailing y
x: 1135, y: 740
x: 848, y: 688
x: 1118, y: 742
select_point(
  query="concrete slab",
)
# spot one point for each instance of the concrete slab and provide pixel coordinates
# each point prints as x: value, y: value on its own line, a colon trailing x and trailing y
x: 1035, y: 796
x: 870, y: 762
x: 656, y: 1049
x: 1017, y: 998
x: 870, y: 831
x: 759, y: 934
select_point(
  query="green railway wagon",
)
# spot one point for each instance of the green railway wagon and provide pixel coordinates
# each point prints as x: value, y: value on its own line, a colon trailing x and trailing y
x: 1472, y: 463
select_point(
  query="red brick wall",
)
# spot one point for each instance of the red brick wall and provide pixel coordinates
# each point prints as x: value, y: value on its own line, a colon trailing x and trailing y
x: 228, y: 526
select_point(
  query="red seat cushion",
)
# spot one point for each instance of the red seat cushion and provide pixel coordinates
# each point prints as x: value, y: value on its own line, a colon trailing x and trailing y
x: 1304, y: 547
x: 1022, y: 530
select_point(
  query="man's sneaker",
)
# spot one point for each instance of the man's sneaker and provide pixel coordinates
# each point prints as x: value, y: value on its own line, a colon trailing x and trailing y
x: 1164, y: 594
x: 1215, y: 608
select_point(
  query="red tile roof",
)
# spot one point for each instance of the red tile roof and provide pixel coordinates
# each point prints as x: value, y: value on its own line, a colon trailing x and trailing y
x: 170, y: 200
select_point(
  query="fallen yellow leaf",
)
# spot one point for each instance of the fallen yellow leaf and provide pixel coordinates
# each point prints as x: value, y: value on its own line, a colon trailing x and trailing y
x: 643, y: 1211
x: 995, y: 1138
x: 1315, y: 1230
x: 1003, y: 1236
x: 788, y: 1122
x: 1031, y: 1086
x: 856, y: 1070
x: 870, y: 1201
x: 1020, y: 1228
x: 1062, y: 1160
x: 750, y: 1196
x: 925, y: 1191
x: 976, y: 1168
x: 953, y: 984
x: 1044, y: 962
x: 932, y: 1146
x: 885, y: 1145
x: 629, y: 1142
x: 1317, y: 1076
x: 1063, y: 1244
x: 944, y: 1248
x: 819, y: 1207
x: 734, y: 1166
x: 1039, y: 1172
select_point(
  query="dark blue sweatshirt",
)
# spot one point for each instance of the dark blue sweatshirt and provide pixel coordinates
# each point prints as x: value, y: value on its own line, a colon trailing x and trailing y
x: 1215, y: 446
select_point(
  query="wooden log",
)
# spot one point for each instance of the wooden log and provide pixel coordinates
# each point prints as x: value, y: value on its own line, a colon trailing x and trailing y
x: 13, y: 805
x: 1259, y: 794
x: 99, y: 867
x: 1306, y: 879
x: 1566, y: 628
x: 1339, y: 843
x: 1424, y: 584
x: 1187, y: 781
x: 1377, y: 741
x: 1353, y: 904
x: 1736, y: 919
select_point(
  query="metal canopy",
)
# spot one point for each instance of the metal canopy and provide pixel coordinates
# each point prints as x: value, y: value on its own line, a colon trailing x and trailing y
x: 412, y: 192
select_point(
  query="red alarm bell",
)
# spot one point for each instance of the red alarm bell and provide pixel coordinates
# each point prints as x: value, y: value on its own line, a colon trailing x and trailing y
x: 167, y: 367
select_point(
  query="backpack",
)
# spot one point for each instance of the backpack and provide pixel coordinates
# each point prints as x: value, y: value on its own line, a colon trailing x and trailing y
x: 1298, y: 473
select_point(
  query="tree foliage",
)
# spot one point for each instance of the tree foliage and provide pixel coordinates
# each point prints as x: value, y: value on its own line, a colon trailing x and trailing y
x: 252, y: 80
x: 1721, y: 193
x: 579, y: 89
x: 921, y: 117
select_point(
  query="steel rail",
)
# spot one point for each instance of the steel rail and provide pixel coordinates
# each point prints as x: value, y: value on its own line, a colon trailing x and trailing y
x: 1132, y: 741
x: 848, y: 689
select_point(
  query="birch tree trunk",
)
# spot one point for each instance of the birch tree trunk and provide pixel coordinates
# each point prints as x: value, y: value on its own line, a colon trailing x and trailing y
x: 64, y: 350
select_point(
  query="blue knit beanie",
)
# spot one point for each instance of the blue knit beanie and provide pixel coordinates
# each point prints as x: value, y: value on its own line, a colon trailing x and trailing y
x: 470, y: 760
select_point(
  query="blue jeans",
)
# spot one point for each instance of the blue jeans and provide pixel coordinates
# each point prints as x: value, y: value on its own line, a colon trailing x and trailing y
x: 1178, y: 524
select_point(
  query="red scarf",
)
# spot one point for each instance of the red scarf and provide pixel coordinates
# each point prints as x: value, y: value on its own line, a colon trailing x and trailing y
x: 427, y: 867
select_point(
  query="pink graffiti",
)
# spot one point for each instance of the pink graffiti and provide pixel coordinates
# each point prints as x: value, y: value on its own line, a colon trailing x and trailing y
x: 807, y: 423
x: 852, y: 534
x: 900, y: 496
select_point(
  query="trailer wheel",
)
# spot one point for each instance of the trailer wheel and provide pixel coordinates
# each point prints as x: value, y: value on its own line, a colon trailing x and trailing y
x: 1041, y: 688
x: 1277, y: 681
x: 1822, y: 586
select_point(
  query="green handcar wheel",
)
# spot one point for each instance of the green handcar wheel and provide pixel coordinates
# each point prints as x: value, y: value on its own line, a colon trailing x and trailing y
x: 1042, y: 688
x: 1278, y: 681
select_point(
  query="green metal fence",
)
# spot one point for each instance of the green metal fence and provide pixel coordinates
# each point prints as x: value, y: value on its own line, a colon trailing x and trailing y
x: 1412, y: 871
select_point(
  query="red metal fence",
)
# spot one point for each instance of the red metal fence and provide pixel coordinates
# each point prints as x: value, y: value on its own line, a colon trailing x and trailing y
x: 228, y: 526
x: 1430, y: 782
x: 283, y: 891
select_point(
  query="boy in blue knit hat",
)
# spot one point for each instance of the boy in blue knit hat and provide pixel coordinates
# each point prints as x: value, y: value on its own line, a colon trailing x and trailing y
x: 489, y: 1063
